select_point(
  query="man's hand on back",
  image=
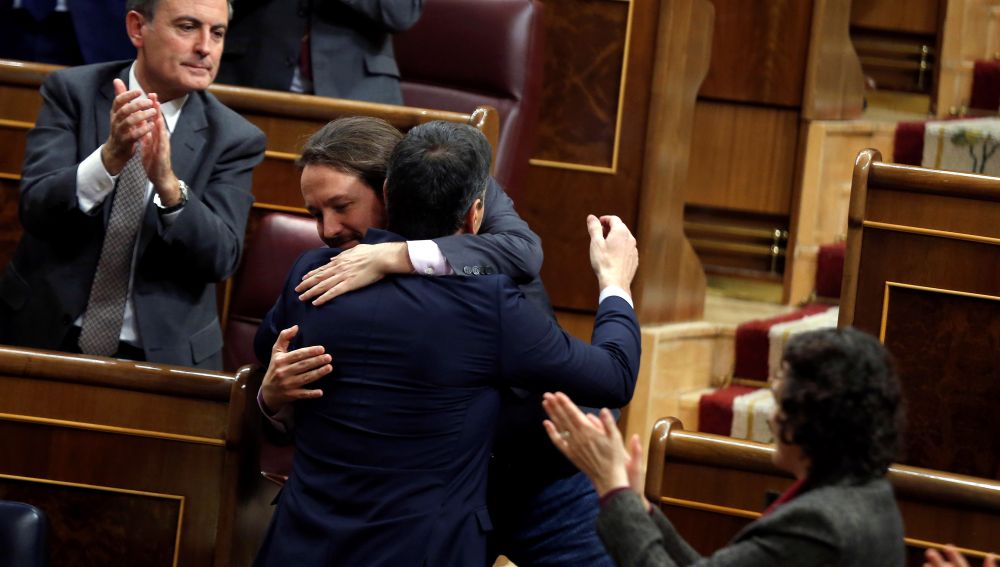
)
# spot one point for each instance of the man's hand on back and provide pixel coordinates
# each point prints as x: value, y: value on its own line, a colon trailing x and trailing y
x: 290, y: 371
x: 353, y: 269
x: 613, y: 254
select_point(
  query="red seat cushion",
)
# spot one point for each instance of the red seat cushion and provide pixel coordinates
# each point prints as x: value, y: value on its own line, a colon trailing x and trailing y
x: 715, y: 409
x: 830, y: 269
x: 752, y: 343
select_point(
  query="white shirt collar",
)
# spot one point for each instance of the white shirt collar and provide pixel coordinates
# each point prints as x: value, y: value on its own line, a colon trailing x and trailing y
x: 171, y: 109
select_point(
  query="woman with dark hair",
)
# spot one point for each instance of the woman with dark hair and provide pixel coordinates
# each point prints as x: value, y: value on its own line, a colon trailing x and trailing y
x: 836, y: 425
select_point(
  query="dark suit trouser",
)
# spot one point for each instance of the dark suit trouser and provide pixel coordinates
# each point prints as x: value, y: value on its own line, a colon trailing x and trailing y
x: 549, y: 526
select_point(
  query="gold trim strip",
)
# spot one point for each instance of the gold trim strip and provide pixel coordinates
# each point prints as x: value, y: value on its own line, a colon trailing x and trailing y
x: 705, y: 507
x: 112, y: 429
x: 10, y: 176
x: 963, y: 550
x: 889, y: 285
x: 618, y: 118
x: 932, y: 232
x: 16, y: 124
x: 95, y: 487
x: 281, y: 156
x: 571, y: 166
x: 281, y: 208
x: 179, y: 497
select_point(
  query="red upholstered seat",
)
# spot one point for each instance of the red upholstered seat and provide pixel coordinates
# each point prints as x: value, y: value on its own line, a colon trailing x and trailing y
x: 908, y: 143
x: 830, y: 270
x: 985, y: 93
x: 268, y: 256
x: 715, y: 410
x: 752, y: 342
x: 467, y: 53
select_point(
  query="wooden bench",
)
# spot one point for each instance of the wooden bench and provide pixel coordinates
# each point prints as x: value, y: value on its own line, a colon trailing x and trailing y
x: 712, y: 486
x: 134, y: 463
x: 922, y: 273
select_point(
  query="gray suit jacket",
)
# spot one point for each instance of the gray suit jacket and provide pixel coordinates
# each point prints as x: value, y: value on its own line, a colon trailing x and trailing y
x: 47, y: 284
x: 831, y: 525
x: 350, y: 45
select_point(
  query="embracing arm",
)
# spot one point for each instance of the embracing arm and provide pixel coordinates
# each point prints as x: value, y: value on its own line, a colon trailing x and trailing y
x: 504, y: 245
x: 504, y: 242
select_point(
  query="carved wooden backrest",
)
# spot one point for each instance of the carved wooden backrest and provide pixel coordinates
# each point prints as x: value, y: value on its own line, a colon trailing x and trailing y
x: 922, y: 273
x: 711, y: 486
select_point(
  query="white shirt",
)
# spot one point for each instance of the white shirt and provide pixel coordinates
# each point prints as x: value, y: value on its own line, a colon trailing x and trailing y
x: 94, y: 184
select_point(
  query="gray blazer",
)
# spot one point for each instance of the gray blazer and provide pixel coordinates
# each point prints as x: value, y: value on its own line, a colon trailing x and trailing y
x: 831, y: 525
x: 47, y: 284
x: 350, y: 45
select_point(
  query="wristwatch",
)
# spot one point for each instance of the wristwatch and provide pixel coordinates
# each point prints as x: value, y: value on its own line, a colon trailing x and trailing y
x: 180, y: 204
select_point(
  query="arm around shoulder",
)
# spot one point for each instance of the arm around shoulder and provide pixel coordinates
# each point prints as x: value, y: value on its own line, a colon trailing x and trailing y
x: 504, y: 243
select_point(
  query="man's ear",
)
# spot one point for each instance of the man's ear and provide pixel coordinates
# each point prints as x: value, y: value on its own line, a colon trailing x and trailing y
x: 133, y: 26
x: 474, y: 217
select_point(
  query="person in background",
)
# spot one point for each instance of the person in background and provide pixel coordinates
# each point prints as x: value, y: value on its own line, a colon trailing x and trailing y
x: 134, y: 198
x: 333, y: 48
x: 836, y: 422
x: 64, y: 32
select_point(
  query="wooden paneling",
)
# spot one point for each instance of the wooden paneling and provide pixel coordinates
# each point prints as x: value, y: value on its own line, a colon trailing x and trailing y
x: 586, y: 72
x: 711, y: 486
x: 947, y: 428
x: 834, y: 82
x: 134, y: 463
x: 913, y: 16
x: 742, y: 158
x: 665, y: 60
x: 759, y: 51
x: 923, y: 271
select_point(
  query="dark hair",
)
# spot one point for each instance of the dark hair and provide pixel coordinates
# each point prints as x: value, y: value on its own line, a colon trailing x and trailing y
x: 840, y: 403
x: 356, y: 145
x: 435, y: 174
x: 148, y: 7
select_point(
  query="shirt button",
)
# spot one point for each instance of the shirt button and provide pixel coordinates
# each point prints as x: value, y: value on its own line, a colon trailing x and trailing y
x: 475, y: 270
x: 429, y: 271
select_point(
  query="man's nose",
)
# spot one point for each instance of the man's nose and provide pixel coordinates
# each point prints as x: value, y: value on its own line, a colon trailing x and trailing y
x: 201, y: 43
x: 331, y: 228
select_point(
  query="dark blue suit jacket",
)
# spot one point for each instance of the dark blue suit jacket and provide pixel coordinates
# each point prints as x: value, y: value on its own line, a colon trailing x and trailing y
x: 390, y: 464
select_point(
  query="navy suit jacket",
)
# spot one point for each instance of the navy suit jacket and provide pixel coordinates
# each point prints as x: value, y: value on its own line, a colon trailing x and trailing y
x: 390, y: 464
x: 47, y: 284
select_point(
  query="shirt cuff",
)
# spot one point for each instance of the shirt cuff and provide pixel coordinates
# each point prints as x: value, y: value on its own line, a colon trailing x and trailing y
x: 166, y: 218
x: 93, y: 182
x: 427, y: 259
x: 281, y: 420
x: 611, y: 494
x: 615, y: 291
